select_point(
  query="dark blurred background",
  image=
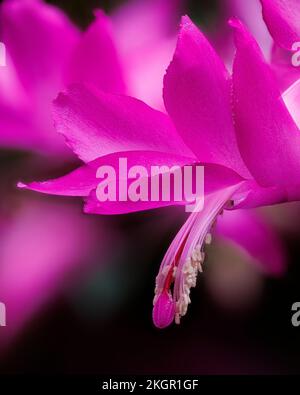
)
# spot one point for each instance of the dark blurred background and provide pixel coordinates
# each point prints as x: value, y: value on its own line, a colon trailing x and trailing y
x: 81, y: 11
x: 101, y: 322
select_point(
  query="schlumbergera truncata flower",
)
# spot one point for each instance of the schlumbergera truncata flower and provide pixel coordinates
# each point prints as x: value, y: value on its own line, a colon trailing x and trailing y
x: 238, y: 128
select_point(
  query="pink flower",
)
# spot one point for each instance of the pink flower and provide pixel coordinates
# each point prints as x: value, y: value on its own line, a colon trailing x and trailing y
x: 238, y: 127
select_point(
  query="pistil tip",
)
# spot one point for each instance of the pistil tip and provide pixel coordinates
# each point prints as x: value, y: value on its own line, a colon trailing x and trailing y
x: 163, y: 310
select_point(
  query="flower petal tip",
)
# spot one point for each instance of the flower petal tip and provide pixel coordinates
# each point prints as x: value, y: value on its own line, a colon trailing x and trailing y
x: 87, y: 209
x: 186, y: 23
x: 240, y: 31
x: 185, y: 20
x: 236, y: 25
x: 234, y: 22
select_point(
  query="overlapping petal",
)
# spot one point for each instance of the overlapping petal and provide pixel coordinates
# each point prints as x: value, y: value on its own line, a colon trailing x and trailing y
x: 197, y: 97
x: 96, y: 123
x: 252, y: 195
x: 282, y: 65
x: 268, y: 138
x: 145, y: 32
x: 217, y: 179
x: 250, y: 13
x: 83, y: 181
x: 282, y: 18
x: 291, y: 98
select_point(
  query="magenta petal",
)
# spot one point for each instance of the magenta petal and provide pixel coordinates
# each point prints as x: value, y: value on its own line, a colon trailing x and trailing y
x: 248, y: 230
x: 282, y: 18
x: 252, y: 195
x: 283, y: 68
x: 79, y: 182
x: 96, y: 123
x: 145, y: 71
x: 83, y: 181
x: 145, y: 36
x: 250, y: 12
x: 197, y: 97
x: 291, y: 98
x: 40, y: 39
x: 95, y: 59
x: 215, y: 178
x: 139, y: 24
x: 268, y: 138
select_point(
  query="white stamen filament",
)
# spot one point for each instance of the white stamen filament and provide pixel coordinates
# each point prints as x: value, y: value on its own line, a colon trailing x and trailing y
x: 190, y: 270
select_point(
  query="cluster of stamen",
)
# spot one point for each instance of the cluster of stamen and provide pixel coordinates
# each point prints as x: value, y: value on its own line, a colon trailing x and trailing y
x: 189, y: 272
x: 191, y: 267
